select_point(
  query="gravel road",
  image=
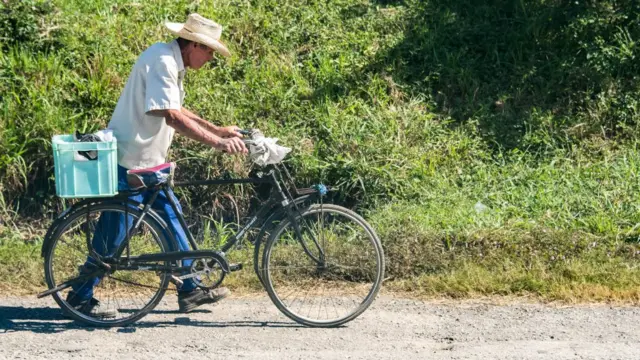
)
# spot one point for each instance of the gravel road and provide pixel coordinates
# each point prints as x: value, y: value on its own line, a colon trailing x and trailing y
x: 393, y: 328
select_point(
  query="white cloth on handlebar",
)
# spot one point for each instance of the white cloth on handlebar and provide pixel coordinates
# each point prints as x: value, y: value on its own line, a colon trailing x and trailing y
x: 264, y: 151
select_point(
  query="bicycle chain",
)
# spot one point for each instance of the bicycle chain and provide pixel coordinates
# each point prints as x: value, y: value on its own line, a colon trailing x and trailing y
x: 140, y: 285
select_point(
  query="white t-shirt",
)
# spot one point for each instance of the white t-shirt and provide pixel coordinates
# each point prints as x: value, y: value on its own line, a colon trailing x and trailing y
x: 155, y: 83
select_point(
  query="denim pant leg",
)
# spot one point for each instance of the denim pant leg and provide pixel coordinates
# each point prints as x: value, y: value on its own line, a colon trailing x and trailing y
x: 109, y: 234
x: 164, y: 209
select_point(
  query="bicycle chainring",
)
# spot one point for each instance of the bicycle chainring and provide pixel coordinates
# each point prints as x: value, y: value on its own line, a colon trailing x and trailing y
x: 207, y: 273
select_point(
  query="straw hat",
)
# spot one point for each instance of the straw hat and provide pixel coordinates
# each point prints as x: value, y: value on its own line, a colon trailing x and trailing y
x: 200, y: 30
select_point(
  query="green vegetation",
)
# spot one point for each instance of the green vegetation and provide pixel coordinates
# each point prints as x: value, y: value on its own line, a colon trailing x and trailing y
x: 493, y: 146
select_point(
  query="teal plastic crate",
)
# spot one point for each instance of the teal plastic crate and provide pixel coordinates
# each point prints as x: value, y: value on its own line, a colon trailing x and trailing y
x: 88, y: 178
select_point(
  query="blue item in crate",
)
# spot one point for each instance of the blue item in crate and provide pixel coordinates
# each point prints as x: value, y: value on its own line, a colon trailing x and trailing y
x: 78, y: 177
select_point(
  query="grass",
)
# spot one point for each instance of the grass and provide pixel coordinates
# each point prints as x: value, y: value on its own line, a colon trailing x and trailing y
x: 573, y: 281
x: 474, y: 267
x: 493, y: 146
x: 578, y: 282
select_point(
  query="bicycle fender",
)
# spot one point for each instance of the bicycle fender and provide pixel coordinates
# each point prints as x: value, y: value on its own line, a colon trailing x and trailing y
x: 61, y: 218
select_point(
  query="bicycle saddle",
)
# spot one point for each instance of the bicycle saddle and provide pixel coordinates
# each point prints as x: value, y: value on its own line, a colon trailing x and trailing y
x: 150, y: 177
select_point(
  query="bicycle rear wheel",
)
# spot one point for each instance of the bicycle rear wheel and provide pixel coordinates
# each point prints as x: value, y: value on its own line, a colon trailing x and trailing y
x: 129, y: 294
x: 328, y: 270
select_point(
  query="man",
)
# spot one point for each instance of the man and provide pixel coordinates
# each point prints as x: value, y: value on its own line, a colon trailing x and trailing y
x: 148, y: 113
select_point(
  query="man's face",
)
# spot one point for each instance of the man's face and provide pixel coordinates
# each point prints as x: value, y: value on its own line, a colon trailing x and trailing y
x: 199, y: 55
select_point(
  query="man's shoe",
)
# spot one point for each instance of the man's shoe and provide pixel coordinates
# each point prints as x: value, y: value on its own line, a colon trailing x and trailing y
x: 91, y: 307
x: 191, y: 300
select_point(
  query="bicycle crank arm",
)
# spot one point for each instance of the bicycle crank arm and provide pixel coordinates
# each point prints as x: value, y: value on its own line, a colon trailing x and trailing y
x: 191, y: 276
x: 69, y: 283
x: 232, y: 267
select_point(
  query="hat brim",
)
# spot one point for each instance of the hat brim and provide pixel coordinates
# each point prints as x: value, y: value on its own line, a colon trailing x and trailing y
x: 179, y: 30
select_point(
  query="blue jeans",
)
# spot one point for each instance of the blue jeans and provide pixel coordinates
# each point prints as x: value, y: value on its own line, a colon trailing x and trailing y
x: 110, y: 232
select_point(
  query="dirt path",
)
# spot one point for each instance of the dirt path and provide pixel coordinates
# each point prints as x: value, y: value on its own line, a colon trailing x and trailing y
x: 392, y: 329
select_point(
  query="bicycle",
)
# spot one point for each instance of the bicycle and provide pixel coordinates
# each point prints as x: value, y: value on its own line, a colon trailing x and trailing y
x: 306, y: 252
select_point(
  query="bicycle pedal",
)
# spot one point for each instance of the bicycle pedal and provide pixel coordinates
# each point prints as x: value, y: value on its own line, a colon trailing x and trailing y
x: 235, y: 267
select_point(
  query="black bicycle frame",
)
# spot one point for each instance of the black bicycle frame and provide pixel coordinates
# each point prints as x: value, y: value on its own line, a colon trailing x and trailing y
x: 278, y: 199
x: 270, y: 179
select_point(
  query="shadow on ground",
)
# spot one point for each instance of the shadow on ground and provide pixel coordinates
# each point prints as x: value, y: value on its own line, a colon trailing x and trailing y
x: 51, y: 320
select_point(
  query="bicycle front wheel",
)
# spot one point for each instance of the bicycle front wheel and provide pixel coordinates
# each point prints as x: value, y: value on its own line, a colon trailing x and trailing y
x: 325, y: 268
x: 125, y: 295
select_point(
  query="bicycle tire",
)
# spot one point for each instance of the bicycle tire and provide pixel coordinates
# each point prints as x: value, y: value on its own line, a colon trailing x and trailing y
x: 283, y: 234
x: 153, y: 227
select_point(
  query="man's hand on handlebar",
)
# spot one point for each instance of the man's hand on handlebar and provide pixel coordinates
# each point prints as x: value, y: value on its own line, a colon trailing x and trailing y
x: 231, y: 141
x: 232, y: 145
x: 230, y: 131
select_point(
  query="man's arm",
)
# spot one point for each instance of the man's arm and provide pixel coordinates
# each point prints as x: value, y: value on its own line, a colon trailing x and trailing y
x: 200, y: 121
x: 191, y: 129
x: 220, y: 131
